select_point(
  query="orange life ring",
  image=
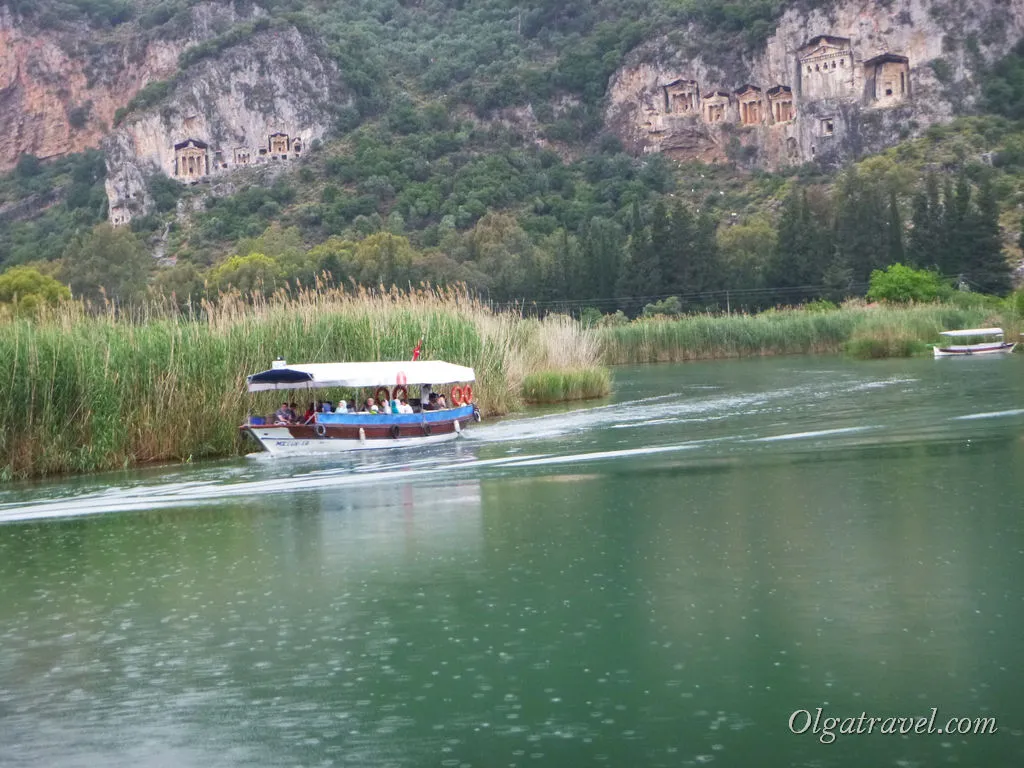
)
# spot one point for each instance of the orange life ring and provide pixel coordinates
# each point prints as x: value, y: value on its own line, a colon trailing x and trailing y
x: 456, y: 395
x: 381, y: 400
x: 467, y: 394
x: 400, y: 388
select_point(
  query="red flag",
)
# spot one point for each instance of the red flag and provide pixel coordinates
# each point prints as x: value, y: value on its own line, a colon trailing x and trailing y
x: 416, y: 352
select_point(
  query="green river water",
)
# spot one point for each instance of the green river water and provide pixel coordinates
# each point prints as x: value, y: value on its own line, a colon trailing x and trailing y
x: 662, y: 579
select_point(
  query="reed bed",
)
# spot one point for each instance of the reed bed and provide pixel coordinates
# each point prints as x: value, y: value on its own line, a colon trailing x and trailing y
x: 84, y: 392
x: 883, y: 330
x: 561, y: 386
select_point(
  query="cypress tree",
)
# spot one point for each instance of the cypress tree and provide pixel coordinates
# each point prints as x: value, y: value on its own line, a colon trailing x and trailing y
x: 896, y: 254
x: 787, y: 268
x: 919, y: 250
x: 602, y: 255
x: 926, y: 246
x: 705, y: 255
x: 861, y: 241
x: 662, y: 247
x: 680, y: 279
x: 640, y: 276
x: 985, y: 265
x: 955, y: 206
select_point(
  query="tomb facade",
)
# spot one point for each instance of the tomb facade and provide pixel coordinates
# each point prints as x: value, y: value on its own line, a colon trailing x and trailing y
x: 826, y: 68
x: 119, y: 216
x: 191, y: 160
x: 751, y: 105
x: 780, y: 104
x: 716, y: 107
x: 279, y: 144
x: 887, y: 79
x: 682, y: 97
x: 242, y: 156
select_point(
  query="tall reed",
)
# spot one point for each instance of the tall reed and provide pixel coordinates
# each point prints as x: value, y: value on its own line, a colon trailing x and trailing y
x: 778, y: 332
x: 82, y: 392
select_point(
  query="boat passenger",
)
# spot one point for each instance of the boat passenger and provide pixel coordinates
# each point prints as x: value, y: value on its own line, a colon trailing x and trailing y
x: 404, y: 407
x: 294, y: 410
x: 442, y: 404
x: 370, y: 406
x: 326, y: 407
x: 394, y: 408
x: 342, y: 407
x: 431, y: 404
x: 310, y: 415
x: 282, y: 415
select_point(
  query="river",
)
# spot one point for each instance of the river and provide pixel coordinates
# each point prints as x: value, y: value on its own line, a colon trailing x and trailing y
x: 662, y: 579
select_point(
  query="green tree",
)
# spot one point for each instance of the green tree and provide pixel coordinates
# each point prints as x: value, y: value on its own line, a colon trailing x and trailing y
x: 252, y: 275
x: 641, y: 275
x: 603, y: 246
x: 986, y: 266
x: 896, y: 253
x: 862, y: 239
x: 900, y: 284
x: 384, y: 259
x: 804, y: 248
x: 183, y: 284
x: 926, y: 235
x: 27, y: 289
x: 107, y: 263
x: 746, y: 251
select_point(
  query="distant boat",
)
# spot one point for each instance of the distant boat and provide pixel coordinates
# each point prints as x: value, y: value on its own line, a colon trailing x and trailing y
x: 996, y: 347
x: 423, y: 423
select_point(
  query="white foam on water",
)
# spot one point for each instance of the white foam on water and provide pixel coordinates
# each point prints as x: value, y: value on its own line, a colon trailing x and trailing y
x: 989, y: 415
x: 815, y: 433
x: 574, y: 458
x: 145, y: 497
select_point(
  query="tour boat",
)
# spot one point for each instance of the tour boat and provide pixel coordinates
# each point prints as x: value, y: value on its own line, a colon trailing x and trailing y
x: 338, y: 432
x: 997, y: 347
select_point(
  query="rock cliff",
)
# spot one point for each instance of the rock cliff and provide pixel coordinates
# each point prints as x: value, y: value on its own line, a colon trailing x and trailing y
x: 59, y: 91
x: 259, y: 103
x: 829, y: 84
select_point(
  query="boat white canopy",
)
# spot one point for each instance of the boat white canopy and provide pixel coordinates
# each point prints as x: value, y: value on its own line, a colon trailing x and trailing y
x: 355, y: 375
x: 974, y: 332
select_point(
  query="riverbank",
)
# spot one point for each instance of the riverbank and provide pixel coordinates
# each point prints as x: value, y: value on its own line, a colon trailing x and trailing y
x: 82, y: 393
x: 862, y: 331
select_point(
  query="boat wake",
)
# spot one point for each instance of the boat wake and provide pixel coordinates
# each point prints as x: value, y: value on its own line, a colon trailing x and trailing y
x: 822, y: 413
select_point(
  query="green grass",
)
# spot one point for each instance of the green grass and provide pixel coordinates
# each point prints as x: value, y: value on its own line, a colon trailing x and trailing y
x: 872, y: 331
x: 82, y: 393
x: 561, y: 386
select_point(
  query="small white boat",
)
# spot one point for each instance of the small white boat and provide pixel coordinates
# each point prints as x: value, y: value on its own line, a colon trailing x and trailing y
x: 351, y: 431
x: 996, y: 347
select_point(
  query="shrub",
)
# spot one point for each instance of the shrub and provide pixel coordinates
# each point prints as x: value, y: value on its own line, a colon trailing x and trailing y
x: 900, y: 285
x: 670, y: 306
x: 26, y: 289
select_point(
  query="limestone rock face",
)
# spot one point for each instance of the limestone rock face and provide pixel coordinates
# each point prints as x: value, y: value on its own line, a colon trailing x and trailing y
x: 259, y: 103
x: 829, y: 85
x: 58, y: 95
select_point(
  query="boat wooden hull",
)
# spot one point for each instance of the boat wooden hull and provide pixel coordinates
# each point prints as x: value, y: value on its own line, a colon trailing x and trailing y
x: 973, y: 351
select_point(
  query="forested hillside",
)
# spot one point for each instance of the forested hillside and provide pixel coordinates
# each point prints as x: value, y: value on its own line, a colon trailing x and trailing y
x: 473, y: 150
